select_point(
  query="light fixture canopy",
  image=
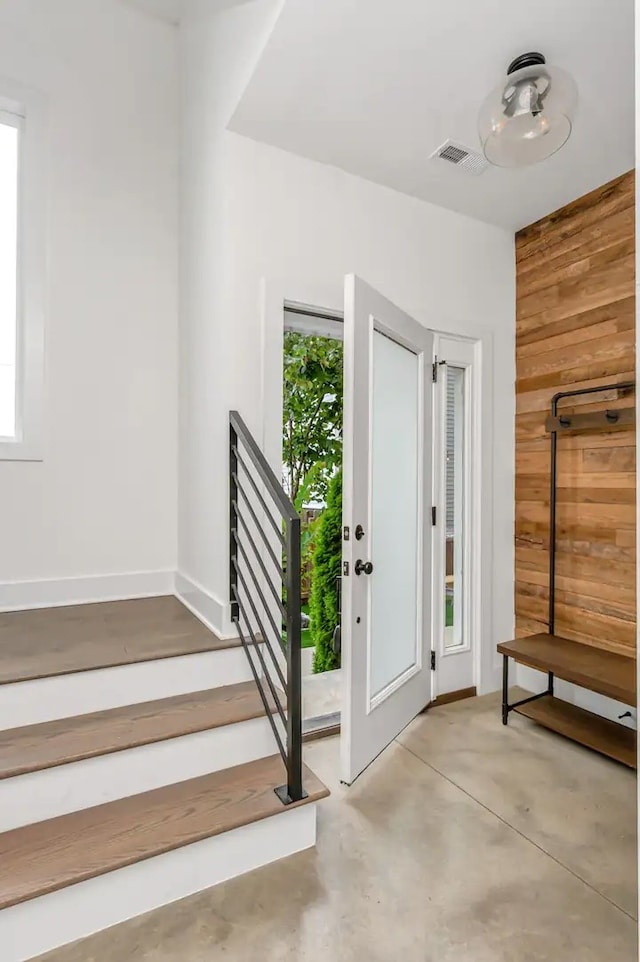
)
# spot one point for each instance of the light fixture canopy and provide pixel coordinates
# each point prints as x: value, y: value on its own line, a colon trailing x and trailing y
x: 529, y: 115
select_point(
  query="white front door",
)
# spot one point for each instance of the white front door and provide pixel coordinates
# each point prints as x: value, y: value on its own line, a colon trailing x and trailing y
x: 386, y: 583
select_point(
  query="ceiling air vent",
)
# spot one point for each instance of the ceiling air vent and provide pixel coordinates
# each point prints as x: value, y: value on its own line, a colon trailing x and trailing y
x: 472, y: 161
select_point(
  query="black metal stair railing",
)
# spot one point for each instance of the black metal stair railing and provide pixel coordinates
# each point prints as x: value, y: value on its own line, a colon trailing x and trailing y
x: 264, y: 589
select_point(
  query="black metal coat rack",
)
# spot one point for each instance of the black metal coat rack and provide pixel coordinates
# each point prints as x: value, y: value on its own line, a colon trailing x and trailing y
x: 555, y: 424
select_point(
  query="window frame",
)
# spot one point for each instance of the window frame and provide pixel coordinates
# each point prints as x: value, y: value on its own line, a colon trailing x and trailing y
x: 25, y: 110
x: 459, y: 666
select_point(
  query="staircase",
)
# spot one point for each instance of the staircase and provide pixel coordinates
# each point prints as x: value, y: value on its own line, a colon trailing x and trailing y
x: 125, y: 783
x: 142, y: 758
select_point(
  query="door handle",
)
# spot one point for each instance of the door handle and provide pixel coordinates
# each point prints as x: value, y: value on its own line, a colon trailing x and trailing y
x: 363, y: 567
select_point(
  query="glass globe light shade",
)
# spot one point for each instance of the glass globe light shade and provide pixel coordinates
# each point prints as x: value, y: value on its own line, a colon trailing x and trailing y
x: 528, y: 116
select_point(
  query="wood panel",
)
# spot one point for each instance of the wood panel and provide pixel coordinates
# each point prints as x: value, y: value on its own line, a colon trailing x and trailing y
x: 575, y: 328
x: 604, y: 736
x: 66, y: 740
x: 58, y: 641
x: 609, y: 674
x: 47, y: 856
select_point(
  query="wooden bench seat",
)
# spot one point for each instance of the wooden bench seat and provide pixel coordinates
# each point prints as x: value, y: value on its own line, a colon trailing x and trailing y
x: 599, y: 671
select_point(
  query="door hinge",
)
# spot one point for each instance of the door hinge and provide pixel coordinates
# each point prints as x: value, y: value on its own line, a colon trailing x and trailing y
x: 433, y: 516
x: 346, y: 532
x: 433, y: 661
x: 345, y: 569
x: 436, y: 365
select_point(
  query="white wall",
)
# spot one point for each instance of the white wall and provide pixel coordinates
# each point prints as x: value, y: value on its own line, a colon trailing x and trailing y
x: 217, y: 56
x: 103, y: 500
x: 251, y: 212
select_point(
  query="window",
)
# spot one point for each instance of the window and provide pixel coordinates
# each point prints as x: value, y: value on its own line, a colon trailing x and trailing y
x: 456, y: 478
x: 455, y: 507
x: 22, y: 219
x: 9, y: 152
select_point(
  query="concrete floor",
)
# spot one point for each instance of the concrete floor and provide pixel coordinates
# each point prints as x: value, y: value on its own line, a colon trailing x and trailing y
x: 322, y: 694
x: 463, y: 842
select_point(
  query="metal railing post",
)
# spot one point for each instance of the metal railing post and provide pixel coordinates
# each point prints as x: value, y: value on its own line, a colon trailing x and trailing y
x: 553, y: 495
x: 252, y: 462
x: 293, y: 788
x: 233, y: 522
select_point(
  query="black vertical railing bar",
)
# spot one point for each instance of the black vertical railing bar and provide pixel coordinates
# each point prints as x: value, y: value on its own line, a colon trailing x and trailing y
x: 233, y: 523
x: 253, y: 462
x: 276, y: 597
x: 256, y: 584
x: 265, y: 700
x: 263, y: 633
x: 294, y: 667
x: 263, y: 469
x: 254, y: 518
x: 257, y: 645
x: 552, y: 526
x: 258, y: 494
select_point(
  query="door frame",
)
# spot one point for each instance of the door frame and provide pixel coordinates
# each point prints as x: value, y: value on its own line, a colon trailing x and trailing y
x: 273, y: 295
x: 470, y: 359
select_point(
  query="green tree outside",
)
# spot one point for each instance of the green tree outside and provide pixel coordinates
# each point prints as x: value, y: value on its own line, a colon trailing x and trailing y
x: 312, y: 415
x: 327, y: 557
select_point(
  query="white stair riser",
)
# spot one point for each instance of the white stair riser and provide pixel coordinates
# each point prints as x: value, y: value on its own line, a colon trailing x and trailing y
x: 68, y: 788
x: 62, y: 696
x: 35, y: 927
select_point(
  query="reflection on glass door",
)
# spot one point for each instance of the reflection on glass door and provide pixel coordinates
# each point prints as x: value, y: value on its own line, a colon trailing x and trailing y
x: 454, y: 635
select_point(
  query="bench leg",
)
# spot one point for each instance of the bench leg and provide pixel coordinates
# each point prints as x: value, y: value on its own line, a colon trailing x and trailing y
x: 505, y: 689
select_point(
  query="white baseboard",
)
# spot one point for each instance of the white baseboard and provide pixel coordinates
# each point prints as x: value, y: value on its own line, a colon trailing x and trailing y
x: 56, y: 592
x: 534, y: 681
x: 212, y: 612
x: 40, y: 925
x: 61, y: 696
x: 68, y: 788
x: 60, y: 592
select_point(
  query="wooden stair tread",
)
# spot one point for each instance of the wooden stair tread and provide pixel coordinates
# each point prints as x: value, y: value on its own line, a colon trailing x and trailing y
x: 604, y: 672
x: 46, y: 856
x: 65, y: 740
x: 58, y: 641
x: 600, y: 734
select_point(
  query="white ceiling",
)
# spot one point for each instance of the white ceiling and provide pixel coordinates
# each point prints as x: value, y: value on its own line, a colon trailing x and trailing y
x: 374, y: 86
x: 170, y: 10
x: 175, y: 10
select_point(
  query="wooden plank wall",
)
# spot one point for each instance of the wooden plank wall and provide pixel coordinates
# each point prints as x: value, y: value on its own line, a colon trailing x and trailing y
x: 575, y: 328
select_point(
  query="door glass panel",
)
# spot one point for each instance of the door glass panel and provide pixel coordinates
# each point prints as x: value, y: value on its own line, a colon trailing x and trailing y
x: 394, y: 511
x: 455, y: 519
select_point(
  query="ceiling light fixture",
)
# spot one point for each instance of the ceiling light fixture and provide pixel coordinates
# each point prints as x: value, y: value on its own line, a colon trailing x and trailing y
x: 528, y: 116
